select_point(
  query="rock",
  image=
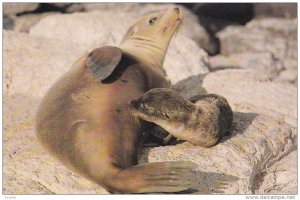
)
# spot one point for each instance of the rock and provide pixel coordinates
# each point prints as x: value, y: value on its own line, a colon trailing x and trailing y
x: 264, y: 65
x: 263, y: 134
x: 85, y: 29
x: 110, y: 15
x: 19, y: 111
x: 191, y: 26
x: 32, y: 64
x: 27, y: 168
x: 272, y: 35
x: 23, y: 23
x: 275, y: 9
x: 180, y: 64
x: 231, y: 166
x: 288, y: 76
x: 245, y: 94
x: 280, y: 178
x: 266, y: 45
x: 28, y: 57
x: 8, y: 23
x: 16, y: 8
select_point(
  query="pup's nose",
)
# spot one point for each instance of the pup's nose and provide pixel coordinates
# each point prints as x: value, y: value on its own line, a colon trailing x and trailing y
x: 133, y: 104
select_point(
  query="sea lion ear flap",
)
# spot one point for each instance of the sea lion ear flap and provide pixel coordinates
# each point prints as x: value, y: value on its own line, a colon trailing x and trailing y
x: 103, y: 61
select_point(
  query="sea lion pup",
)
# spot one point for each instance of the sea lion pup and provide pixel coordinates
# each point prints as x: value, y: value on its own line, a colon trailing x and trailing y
x: 84, y: 120
x: 203, y: 120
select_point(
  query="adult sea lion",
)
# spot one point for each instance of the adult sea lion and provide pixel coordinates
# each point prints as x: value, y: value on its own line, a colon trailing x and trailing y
x: 203, y: 120
x: 84, y: 120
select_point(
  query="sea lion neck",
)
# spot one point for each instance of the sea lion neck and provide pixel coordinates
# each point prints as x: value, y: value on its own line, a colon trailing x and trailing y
x: 145, y: 51
x: 148, y: 39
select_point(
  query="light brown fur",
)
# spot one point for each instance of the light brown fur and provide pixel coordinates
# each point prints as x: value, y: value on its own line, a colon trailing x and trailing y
x: 204, y: 121
x: 86, y: 124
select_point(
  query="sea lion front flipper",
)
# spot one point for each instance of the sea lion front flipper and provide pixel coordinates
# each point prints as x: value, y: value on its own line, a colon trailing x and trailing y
x: 156, y: 135
x: 172, y: 176
x: 103, y: 61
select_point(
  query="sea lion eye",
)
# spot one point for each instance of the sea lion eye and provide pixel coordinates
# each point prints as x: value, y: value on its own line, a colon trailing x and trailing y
x: 152, y: 20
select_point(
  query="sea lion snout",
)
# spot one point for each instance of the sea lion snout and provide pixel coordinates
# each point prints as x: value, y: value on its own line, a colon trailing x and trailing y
x: 161, y: 104
x: 133, y: 104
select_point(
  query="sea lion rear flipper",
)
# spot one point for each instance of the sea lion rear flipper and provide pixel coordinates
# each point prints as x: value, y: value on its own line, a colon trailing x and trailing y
x: 103, y: 61
x: 173, y: 176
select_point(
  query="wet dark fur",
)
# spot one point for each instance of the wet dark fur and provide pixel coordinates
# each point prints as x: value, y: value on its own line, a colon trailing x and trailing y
x: 209, y: 115
x: 167, y: 105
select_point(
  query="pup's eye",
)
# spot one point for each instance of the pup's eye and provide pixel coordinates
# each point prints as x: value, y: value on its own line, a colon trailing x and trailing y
x: 167, y: 115
x: 152, y: 20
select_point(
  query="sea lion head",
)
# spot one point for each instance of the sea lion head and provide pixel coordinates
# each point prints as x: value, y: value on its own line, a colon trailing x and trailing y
x: 162, y: 106
x: 149, y: 37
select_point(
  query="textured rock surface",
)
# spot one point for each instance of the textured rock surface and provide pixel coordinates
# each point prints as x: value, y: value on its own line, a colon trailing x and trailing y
x: 95, y: 29
x: 265, y: 66
x: 245, y: 94
x: 275, y: 9
x: 32, y: 64
x: 14, y: 8
x: 91, y: 34
x: 280, y: 178
x: 103, y: 15
x: 260, y: 155
x: 230, y: 167
x: 28, y: 169
x: 270, y: 44
x: 23, y: 23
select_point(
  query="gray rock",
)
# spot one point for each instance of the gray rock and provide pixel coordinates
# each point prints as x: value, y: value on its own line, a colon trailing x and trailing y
x: 88, y: 28
x: 288, y: 76
x: 23, y: 23
x: 263, y: 64
x: 280, y: 178
x: 272, y: 35
x: 27, y: 168
x: 8, y: 23
x: 32, y: 64
x: 15, y: 8
x: 191, y: 26
x: 63, y: 54
x: 245, y: 93
x: 263, y: 133
x: 19, y: 111
x: 231, y: 166
x: 184, y: 59
x: 275, y: 9
x: 85, y: 29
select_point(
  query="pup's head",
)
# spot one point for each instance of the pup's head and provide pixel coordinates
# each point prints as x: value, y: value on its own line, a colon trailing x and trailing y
x: 160, y: 106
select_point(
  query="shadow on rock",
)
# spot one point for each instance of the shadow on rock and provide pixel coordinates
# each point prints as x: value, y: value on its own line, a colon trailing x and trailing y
x: 218, y: 68
x: 190, y: 86
x: 241, y: 122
